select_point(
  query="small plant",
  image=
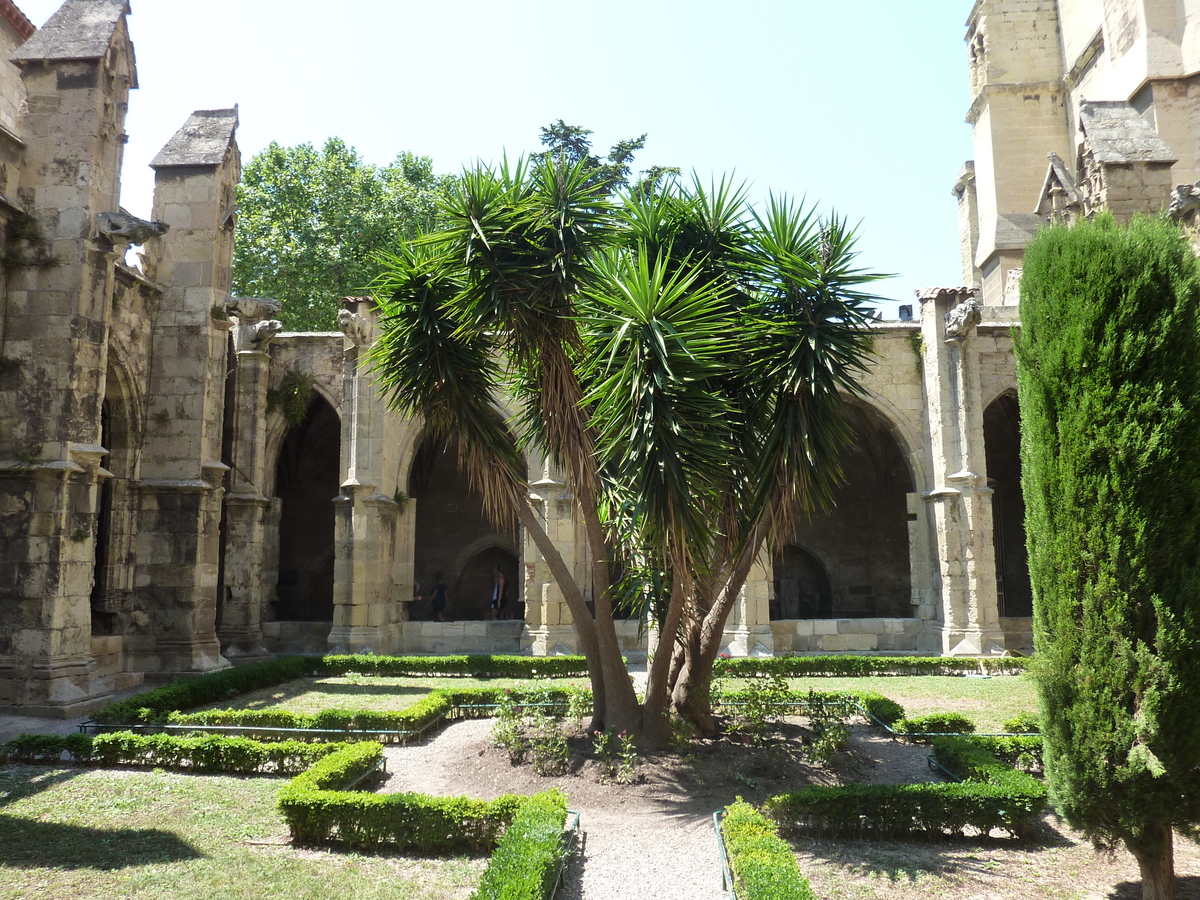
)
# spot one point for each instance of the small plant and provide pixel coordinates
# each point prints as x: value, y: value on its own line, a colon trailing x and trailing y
x: 627, y: 768
x: 604, y: 744
x: 831, y: 734
x: 548, y: 745
x: 579, y: 703
x: 218, y: 312
x: 292, y: 396
x: 764, y: 703
x: 507, y: 733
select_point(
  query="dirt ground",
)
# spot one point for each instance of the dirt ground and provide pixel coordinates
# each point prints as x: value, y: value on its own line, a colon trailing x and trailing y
x: 654, y: 839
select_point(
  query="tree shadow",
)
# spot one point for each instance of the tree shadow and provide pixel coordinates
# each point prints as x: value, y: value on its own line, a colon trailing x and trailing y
x: 280, y: 694
x: 27, y: 843
x: 1187, y: 887
x: 21, y: 781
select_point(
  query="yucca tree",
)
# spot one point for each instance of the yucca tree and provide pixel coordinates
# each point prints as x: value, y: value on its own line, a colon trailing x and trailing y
x: 678, y: 357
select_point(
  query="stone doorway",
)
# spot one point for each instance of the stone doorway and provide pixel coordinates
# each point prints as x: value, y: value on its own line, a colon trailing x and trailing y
x: 307, y: 479
x: 860, y: 546
x: 456, y: 538
x: 1002, y: 448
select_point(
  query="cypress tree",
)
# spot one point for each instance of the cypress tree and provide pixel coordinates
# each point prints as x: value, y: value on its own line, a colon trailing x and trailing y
x: 1109, y: 381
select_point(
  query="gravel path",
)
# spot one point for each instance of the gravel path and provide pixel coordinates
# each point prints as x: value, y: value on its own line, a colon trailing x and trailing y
x: 635, y: 846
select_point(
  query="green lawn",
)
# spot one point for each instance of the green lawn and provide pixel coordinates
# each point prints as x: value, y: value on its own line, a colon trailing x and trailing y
x: 379, y: 693
x: 71, y: 834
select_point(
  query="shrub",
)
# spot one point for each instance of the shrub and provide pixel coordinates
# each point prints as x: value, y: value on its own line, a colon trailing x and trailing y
x: 936, y: 723
x: 895, y: 810
x: 796, y: 666
x: 1023, y: 723
x: 210, y: 753
x: 763, y: 865
x: 527, y: 859
x: 479, y: 665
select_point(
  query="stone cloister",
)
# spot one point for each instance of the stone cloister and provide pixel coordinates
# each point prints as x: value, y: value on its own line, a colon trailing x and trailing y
x: 161, y: 516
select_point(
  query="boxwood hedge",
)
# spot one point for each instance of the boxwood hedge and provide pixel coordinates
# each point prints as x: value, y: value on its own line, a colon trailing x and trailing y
x: 838, y: 665
x: 763, y: 865
x: 526, y: 862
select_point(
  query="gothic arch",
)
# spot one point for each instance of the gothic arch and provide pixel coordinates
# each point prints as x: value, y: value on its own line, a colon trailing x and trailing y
x: 1002, y: 453
x: 862, y: 545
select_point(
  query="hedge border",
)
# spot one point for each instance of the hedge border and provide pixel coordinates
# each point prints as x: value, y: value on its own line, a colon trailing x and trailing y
x: 155, y: 706
x: 762, y: 863
x: 992, y: 795
x: 528, y: 858
x: 856, y: 666
x: 208, y: 754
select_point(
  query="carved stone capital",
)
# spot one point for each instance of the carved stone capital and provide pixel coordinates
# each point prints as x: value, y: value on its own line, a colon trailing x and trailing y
x: 249, y: 310
x: 1185, y: 200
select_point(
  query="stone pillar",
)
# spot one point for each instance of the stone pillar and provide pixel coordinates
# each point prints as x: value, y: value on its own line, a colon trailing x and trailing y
x: 748, y: 628
x: 181, y: 488
x: 549, y: 628
x: 367, y: 607
x: 76, y: 72
x: 246, y: 503
x: 961, y: 499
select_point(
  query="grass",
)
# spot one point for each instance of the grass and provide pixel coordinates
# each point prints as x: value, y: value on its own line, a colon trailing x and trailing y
x: 104, y: 835
x: 373, y: 692
x: 986, y: 701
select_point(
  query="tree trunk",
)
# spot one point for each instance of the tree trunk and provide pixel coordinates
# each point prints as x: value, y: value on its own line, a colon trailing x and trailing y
x: 1155, y: 855
x: 656, y: 722
x: 584, y: 626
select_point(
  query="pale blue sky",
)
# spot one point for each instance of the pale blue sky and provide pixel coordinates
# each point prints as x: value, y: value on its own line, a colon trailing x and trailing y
x: 857, y: 104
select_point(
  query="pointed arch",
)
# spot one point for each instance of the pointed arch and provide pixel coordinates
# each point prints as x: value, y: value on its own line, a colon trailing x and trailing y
x: 1002, y: 453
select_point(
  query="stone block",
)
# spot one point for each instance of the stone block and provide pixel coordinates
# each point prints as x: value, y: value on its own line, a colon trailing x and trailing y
x: 838, y: 643
x: 824, y: 626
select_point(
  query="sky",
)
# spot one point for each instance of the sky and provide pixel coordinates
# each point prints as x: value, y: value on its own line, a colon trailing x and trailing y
x: 857, y: 106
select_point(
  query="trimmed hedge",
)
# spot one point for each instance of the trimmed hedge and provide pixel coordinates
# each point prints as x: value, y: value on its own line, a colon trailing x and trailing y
x: 896, y: 810
x: 318, y: 811
x: 426, y: 711
x: 526, y: 862
x: 155, y: 706
x: 883, y: 709
x: 988, y: 758
x: 210, y: 753
x: 993, y: 795
x: 1023, y: 723
x: 935, y: 723
x: 834, y: 666
x: 763, y: 865
x: 477, y: 665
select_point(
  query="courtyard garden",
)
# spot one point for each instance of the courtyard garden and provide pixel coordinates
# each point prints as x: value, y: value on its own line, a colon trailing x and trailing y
x: 374, y: 778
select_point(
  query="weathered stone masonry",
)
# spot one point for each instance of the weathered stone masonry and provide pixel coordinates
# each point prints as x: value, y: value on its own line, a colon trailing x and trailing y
x: 160, y: 515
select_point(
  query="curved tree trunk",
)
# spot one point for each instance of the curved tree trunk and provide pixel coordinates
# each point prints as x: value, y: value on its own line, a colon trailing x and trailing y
x: 1155, y: 855
x: 584, y: 626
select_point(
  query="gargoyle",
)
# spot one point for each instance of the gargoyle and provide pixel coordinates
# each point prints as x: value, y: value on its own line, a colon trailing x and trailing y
x: 1184, y: 199
x: 962, y: 317
x: 123, y: 228
x: 263, y: 332
x: 355, y: 327
x: 252, y: 309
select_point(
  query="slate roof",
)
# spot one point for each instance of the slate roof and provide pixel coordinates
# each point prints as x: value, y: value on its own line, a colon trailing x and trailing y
x: 1117, y: 134
x: 81, y: 29
x: 202, y: 141
x: 16, y: 18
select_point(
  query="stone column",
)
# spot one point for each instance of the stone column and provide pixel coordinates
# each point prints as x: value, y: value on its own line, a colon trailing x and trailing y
x: 367, y: 607
x: 961, y: 499
x: 60, y: 253
x: 178, y: 543
x: 748, y: 628
x: 246, y: 504
x: 549, y: 628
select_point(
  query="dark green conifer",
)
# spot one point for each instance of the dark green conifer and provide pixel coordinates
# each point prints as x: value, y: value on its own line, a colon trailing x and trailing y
x: 1109, y: 375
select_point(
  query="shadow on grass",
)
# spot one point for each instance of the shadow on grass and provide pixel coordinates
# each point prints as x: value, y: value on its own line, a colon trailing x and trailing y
x: 282, y: 695
x: 1187, y: 887
x: 18, y: 781
x: 26, y: 843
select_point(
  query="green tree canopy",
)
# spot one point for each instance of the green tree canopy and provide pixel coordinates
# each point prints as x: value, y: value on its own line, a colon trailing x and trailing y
x: 311, y: 222
x: 1110, y: 406
x: 680, y: 356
